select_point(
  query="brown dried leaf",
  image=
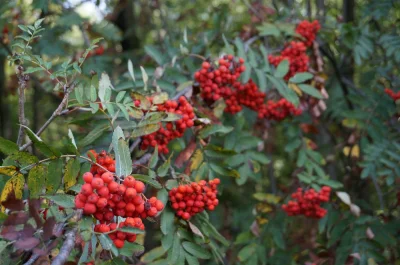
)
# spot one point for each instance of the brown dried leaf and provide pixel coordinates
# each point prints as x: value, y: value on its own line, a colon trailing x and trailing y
x: 27, y: 243
x: 13, y: 203
x: 34, y: 206
x: 17, y: 218
x: 185, y: 154
x: 48, y: 228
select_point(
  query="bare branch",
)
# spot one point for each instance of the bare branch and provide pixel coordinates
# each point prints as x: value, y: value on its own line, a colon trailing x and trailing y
x: 56, y: 113
x: 134, y: 144
x: 22, y: 81
x: 143, y: 160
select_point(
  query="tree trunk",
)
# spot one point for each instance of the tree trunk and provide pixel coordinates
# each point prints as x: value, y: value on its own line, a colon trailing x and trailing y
x: 309, y: 9
x: 124, y: 18
x: 321, y: 10
x: 348, y: 61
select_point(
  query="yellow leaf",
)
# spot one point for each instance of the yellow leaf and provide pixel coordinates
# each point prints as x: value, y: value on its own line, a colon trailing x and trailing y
x: 355, y: 151
x: 8, y: 171
x: 267, y: 197
x: 15, y: 184
x: 264, y: 208
x: 196, y: 160
x: 346, y: 150
x: 261, y: 220
x: 295, y: 88
x: 350, y: 123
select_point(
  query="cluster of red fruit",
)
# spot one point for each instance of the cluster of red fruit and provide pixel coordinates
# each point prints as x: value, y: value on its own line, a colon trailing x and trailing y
x: 105, y: 198
x: 119, y: 237
x: 103, y: 159
x: 188, y: 200
x: 278, y: 110
x: 308, y: 203
x: 222, y: 82
x: 308, y: 30
x: 172, y: 130
x: 395, y: 96
x: 295, y: 54
x: 97, y: 51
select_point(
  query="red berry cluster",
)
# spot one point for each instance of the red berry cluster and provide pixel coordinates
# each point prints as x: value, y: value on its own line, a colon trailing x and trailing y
x: 119, y: 237
x: 105, y: 198
x: 395, y: 96
x: 308, y: 203
x: 102, y: 159
x: 308, y: 30
x: 278, y: 110
x: 222, y: 82
x: 295, y: 53
x: 98, y: 51
x: 172, y: 130
x: 188, y: 200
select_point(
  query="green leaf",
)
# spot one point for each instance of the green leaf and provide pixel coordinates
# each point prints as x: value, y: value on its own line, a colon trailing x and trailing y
x: 269, y: 29
x: 154, y: 53
x: 167, y: 221
x: 171, y: 183
x: 148, y: 180
x: 154, y: 158
x: 130, y: 69
x: 196, y: 250
x: 79, y: 94
x: 31, y: 70
x: 282, y: 69
x: 39, y: 144
x: 93, y: 135
x: 284, y: 90
x: 163, y: 169
x: 132, y: 230
x: 93, y: 93
x: 36, y: 180
x: 123, y: 162
x: 214, y: 128
x: 260, y: 157
x: 191, y: 260
x: 76, y: 67
x: 120, y: 96
x: 7, y: 147
x: 224, y: 171
x: 175, y: 251
x: 331, y: 183
x: 131, y: 249
x: 246, y: 252
x: 105, y: 242
x: 153, y: 254
x: 85, y: 253
x: 63, y: 200
x: 54, y: 175
x: 95, y: 107
x: 312, y: 91
x: 228, y: 48
x: 71, y: 173
x: 141, y: 130
x: 300, y: 77
x: 240, y: 46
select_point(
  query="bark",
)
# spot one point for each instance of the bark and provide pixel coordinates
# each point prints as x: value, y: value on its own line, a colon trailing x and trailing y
x: 309, y: 8
x: 321, y: 10
x: 3, y: 102
x: 348, y: 61
x: 124, y: 17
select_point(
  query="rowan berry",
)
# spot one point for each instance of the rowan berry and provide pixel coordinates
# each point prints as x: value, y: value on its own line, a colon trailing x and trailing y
x: 88, y: 177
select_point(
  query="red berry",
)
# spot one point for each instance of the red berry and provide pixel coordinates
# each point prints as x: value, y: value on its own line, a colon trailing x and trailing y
x: 88, y: 177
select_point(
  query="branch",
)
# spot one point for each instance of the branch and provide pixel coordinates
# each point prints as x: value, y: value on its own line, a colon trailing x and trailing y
x: 143, y: 160
x: 22, y: 81
x: 338, y: 76
x: 66, y: 248
x: 56, y: 113
x: 134, y: 144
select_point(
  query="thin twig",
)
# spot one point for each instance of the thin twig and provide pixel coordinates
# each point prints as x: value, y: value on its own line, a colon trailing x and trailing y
x: 143, y: 160
x: 85, y: 36
x: 22, y: 81
x: 56, y: 113
x: 379, y: 192
x: 134, y: 144
x: 66, y: 248
x: 182, y: 92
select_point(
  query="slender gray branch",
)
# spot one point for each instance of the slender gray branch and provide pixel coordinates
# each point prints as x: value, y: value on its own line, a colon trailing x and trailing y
x: 134, y: 144
x: 22, y: 82
x: 143, y: 160
x: 56, y: 113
